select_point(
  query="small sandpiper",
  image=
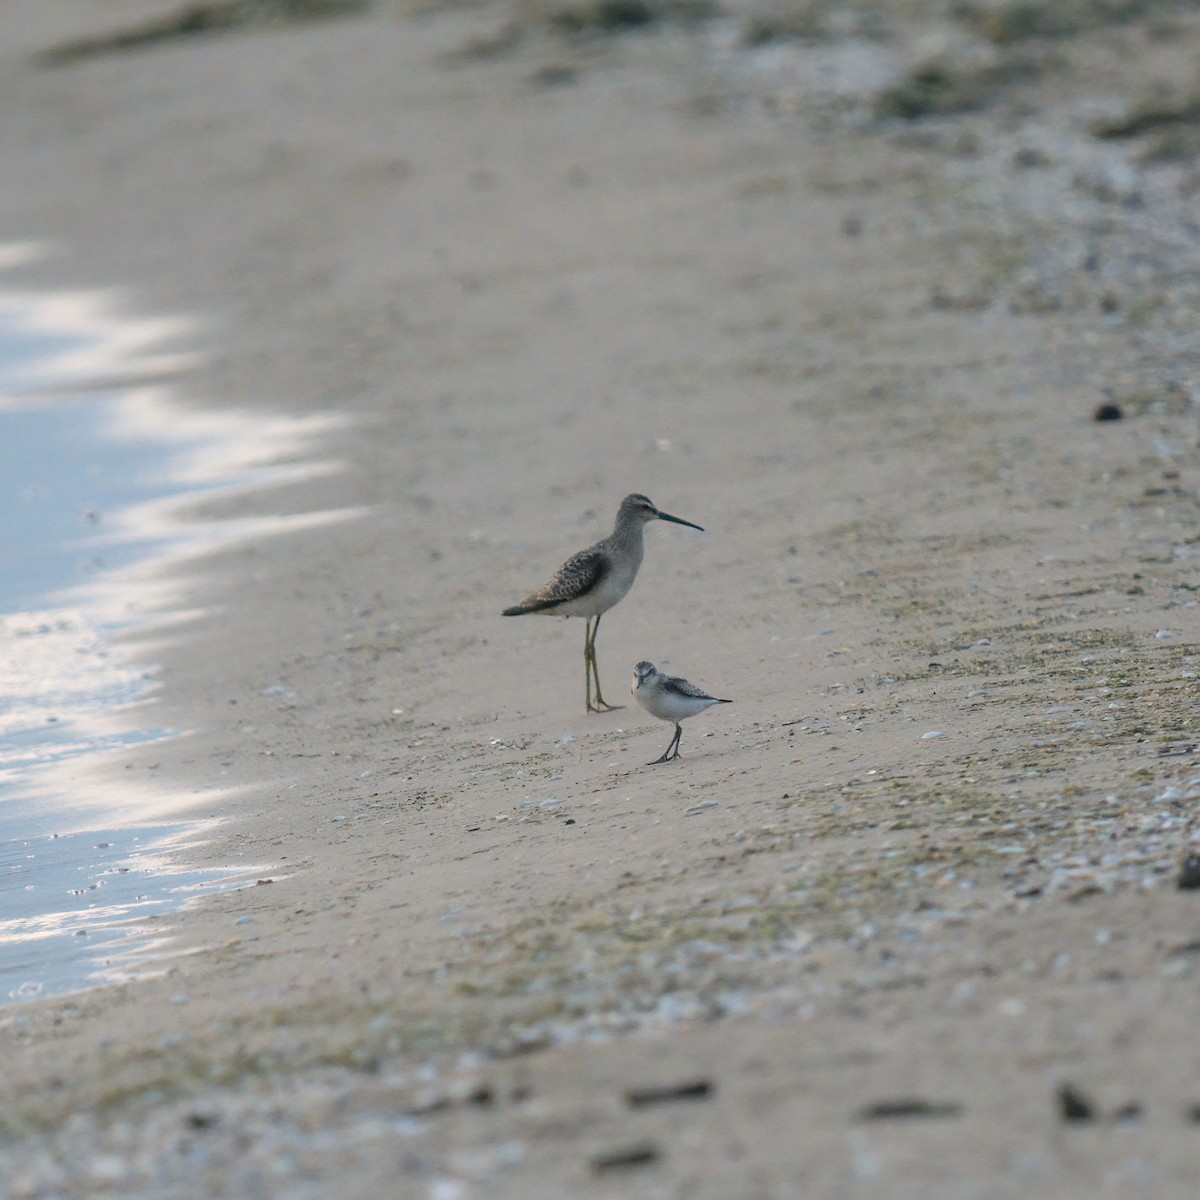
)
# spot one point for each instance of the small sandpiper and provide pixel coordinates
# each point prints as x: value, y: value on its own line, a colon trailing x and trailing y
x: 589, y: 583
x: 669, y: 698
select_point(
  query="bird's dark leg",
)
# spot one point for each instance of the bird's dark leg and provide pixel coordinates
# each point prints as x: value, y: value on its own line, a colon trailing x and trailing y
x: 593, y: 671
x: 678, y: 738
x: 667, y: 756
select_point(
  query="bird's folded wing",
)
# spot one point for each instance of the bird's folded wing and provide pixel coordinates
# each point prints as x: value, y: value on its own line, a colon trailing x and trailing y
x: 576, y: 577
x: 681, y: 687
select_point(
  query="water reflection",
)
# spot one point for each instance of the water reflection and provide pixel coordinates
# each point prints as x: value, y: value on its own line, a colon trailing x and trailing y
x: 100, y: 468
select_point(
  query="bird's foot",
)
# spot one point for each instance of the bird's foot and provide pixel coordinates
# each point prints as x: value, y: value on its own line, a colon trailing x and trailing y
x: 601, y: 707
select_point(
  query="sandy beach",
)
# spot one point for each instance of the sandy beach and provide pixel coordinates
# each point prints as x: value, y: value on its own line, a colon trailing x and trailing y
x: 846, y: 288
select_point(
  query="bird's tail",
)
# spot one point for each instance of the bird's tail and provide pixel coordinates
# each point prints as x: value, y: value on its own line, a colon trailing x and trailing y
x: 528, y: 606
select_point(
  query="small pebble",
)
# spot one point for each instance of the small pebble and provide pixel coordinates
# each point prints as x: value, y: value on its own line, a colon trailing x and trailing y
x: 1107, y: 412
x: 554, y: 75
x: 933, y: 733
x: 108, y: 1169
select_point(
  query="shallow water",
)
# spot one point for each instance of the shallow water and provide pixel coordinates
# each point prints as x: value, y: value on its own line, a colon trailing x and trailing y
x: 96, y: 480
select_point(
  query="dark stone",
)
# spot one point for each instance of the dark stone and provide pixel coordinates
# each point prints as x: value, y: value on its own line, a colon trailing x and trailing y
x: 695, y: 1089
x: 1073, y: 1105
x: 1189, y: 874
x: 909, y: 1107
x: 639, y: 1154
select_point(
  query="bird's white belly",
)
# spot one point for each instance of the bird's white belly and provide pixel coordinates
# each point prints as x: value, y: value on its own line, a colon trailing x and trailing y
x: 667, y: 706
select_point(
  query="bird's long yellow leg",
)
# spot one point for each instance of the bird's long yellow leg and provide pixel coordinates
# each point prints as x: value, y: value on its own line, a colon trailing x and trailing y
x: 601, y: 704
x: 587, y: 665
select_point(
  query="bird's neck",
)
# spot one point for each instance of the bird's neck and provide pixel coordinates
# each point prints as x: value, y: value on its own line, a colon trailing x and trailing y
x: 628, y: 538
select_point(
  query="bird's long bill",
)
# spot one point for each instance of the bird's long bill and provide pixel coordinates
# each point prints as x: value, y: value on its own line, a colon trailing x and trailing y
x: 662, y: 516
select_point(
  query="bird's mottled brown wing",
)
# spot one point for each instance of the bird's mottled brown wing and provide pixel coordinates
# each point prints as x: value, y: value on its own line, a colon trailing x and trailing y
x: 576, y: 577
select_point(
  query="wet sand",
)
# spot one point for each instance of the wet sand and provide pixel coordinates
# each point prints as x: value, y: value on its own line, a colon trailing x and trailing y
x: 916, y: 879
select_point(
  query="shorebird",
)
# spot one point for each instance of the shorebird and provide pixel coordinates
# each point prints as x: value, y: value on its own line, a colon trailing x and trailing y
x: 669, y: 698
x: 589, y: 583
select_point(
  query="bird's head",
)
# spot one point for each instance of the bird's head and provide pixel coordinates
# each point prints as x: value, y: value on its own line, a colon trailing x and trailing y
x: 641, y: 673
x: 639, y: 509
